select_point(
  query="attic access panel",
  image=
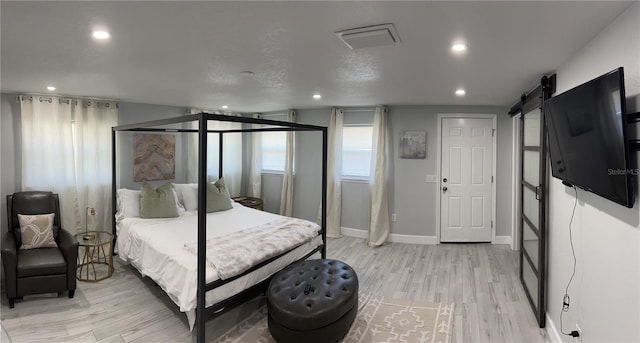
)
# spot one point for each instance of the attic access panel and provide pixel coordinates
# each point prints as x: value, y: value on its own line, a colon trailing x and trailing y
x: 369, y: 36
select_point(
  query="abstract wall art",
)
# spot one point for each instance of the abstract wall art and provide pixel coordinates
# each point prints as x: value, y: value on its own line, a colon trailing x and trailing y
x: 413, y: 144
x: 154, y: 157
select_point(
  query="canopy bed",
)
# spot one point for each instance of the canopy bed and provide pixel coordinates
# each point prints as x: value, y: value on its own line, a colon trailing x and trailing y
x: 198, y: 269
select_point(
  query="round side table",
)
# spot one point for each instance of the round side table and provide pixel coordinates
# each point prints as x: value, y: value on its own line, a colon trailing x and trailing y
x: 96, y: 262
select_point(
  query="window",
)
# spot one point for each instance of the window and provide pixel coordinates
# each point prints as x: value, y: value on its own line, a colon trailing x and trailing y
x: 356, y: 151
x: 274, y: 150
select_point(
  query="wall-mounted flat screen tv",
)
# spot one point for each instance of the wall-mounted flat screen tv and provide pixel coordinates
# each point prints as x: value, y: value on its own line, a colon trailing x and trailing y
x: 587, y: 138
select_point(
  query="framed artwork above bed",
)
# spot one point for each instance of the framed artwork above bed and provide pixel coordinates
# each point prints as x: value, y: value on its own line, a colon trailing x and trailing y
x: 154, y: 157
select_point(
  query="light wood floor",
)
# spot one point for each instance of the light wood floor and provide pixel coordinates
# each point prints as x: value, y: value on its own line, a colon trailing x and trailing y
x: 481, y: 279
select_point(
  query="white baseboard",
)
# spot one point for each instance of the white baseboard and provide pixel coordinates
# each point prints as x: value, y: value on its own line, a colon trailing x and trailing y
x: 354, y: 232
x: 412, y: 239
x: 503, y: 240
x: 394, y: 237
x: 552, y: 332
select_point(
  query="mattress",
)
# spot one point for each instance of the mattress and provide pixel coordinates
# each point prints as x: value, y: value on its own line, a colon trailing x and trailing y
x: 156, y: 248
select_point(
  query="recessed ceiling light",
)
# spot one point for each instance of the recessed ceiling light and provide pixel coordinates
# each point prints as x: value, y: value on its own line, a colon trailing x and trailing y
x: 460, y: 92
x: 459, y: 48
x: 51, y: 88
x: 101, y: 35
x: 317, y: 96
x: 224, y: 107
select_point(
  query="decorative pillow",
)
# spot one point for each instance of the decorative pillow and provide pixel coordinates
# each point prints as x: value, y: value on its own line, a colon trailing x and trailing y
x: 218, y: 198
x: 37, y: 231
x: 158, y: 202
x: 128, y: 202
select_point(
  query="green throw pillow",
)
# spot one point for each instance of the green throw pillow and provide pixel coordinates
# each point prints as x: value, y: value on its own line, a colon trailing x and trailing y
x: 218, y: 198
x: 157, y: 202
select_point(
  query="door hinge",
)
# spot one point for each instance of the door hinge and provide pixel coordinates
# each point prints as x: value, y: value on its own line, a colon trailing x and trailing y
x: 493, y: 132
x: 491, y: 178
x: 492, y: 224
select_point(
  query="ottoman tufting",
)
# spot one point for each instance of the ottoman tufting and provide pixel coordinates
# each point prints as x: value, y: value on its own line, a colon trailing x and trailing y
x: 312, y: 301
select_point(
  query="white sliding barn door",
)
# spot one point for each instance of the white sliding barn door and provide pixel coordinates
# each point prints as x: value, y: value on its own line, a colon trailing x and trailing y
x: 466, y: 204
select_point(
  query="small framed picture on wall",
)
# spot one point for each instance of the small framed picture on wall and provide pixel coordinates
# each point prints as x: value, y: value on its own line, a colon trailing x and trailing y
x: 413, y: 144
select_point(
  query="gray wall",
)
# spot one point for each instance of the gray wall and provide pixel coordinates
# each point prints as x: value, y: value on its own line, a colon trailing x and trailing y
x: 131, y: 113
x: 414, y: 199
x: 10, y: 145
x: 10, y: 165
x: 605, y: 300
x: 411, y: 198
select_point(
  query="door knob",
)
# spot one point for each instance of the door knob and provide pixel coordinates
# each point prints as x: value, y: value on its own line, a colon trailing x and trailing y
x: 444, y: 180
x: 444, y: 188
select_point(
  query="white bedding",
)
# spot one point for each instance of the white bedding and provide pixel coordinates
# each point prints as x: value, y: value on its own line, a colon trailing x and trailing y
x: 156, y: 248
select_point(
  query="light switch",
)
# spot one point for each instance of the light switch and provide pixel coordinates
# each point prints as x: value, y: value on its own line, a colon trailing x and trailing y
x: 431, y: 178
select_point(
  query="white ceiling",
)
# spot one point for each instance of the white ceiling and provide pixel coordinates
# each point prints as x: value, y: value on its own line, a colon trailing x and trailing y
x: 191, y: 53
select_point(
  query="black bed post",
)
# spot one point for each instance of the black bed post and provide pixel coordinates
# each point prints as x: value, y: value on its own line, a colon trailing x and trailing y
x: 220, y: 152
x: 202, y: 226
x: 323, y: 254
x: 113, y: 189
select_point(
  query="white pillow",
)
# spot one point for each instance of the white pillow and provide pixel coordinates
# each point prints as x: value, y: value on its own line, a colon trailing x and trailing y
x: 181, y: 209
x: 181, y: 189
x: 128, y: 202
x: 190, y: 197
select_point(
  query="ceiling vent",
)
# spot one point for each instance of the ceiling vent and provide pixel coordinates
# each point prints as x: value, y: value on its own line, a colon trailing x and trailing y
x: 369, y: 36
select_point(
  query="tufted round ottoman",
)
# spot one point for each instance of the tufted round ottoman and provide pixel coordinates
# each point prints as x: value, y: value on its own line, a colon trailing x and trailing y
x: 312, y: 301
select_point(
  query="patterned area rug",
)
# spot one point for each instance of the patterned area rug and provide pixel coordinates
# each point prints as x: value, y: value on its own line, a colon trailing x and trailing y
x: 379, y: 319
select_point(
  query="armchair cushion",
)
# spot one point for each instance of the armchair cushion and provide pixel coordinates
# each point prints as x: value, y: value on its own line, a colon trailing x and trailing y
x: 41, y: 262
x: 37, y: 231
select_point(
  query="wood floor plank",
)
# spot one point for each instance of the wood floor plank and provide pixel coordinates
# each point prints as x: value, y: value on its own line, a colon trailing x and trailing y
x: 481, y: 279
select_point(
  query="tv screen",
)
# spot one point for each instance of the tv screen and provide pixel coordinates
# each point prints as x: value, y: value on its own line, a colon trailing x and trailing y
x: 587, y: 141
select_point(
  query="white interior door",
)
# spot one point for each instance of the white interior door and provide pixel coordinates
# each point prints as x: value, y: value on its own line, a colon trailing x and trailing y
x: 466, y: 202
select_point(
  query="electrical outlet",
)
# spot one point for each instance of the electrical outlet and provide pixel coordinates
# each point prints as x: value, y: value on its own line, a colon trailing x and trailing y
x: 393, y: 217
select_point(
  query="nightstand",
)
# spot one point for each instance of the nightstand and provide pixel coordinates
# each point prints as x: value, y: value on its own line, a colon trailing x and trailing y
x: 255, y: 203
x: 97, y: 260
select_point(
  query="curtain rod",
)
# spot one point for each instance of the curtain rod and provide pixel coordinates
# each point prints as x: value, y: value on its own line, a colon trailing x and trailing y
x: 359, y: 110
x: 66, y: 100
x: 272, y: 114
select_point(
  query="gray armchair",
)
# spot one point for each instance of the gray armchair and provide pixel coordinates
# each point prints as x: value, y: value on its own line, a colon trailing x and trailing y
x: 42, y: 270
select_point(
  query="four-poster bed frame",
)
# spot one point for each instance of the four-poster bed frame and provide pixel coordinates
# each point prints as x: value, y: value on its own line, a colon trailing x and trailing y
x: 202, y: 312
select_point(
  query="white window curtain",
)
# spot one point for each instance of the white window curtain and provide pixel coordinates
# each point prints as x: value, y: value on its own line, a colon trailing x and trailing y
x: 66, y: 148
x: 255, y: 175
x: 379, y: 225
x: 232, y: 154
x: 334, y: 174
x: 286, y: 196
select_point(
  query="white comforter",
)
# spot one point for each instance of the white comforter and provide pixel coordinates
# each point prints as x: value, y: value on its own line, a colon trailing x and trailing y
x: 235, y: 253
x: 156, y: 247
